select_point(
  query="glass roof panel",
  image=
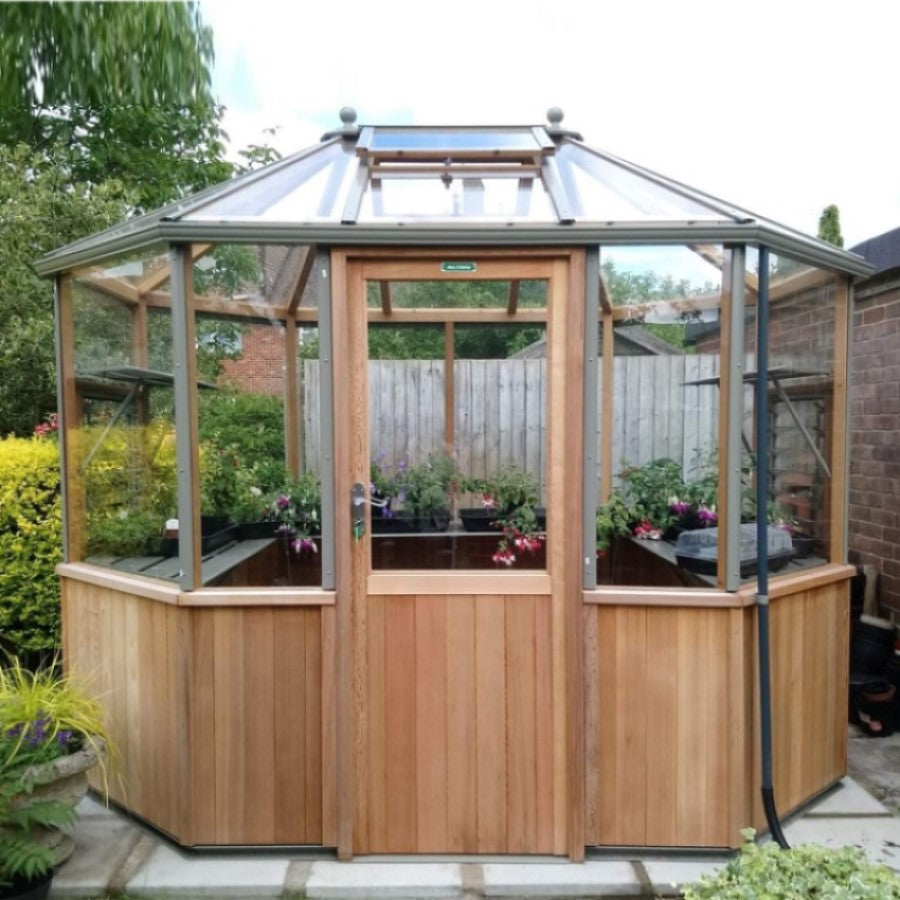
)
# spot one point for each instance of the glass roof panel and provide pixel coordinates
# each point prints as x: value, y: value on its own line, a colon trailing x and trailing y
x: 473, y: 140
x: 465, y: 198
x: 259, y: 196
x: 604, y: 191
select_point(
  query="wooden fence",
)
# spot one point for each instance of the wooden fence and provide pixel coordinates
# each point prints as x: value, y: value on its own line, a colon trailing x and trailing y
x: 501, y: 411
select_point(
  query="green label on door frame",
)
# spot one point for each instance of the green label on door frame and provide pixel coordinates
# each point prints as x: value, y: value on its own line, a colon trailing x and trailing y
x: 458, y: 266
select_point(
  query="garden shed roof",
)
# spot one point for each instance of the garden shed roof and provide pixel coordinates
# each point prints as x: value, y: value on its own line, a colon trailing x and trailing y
x: 452, y: 185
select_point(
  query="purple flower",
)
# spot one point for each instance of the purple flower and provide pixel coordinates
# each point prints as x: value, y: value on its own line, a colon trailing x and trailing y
x: 707, y: 515
x: 63, y: 736
x: 679, y: 507
x: 302, y: 543
x: 283, y: 502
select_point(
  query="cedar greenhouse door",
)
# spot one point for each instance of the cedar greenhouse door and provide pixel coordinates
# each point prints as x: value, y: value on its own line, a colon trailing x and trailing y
x: 459, y: 725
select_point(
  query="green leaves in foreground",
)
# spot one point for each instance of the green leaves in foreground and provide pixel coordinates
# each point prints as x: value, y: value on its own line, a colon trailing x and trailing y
x: 809, y: 872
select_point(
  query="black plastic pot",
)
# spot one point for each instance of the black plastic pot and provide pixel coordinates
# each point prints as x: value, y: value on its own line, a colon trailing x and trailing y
x: 871, y: 645
x: 249, y: 531
x: 875, y: 708
x: 477, y: 518
x: 35, y: 889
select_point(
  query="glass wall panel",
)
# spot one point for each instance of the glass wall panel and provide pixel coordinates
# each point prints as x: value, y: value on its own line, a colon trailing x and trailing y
x: 458, y: 455
x: 259, y: 419
x: 659, y: 397
x: 800, y: 421
x: 121, y: 434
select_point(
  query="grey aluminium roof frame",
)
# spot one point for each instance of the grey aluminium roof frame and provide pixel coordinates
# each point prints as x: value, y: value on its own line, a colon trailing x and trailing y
x: 227, y: 222
x: 165, y: 231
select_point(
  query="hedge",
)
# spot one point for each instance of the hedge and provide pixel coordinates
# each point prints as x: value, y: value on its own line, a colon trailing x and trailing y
x: 30, y: 543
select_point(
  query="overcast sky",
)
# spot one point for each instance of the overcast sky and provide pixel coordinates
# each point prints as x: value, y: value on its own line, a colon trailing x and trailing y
x: 780, y: 107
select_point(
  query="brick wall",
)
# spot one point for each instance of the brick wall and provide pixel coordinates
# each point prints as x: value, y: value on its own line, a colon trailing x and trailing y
x: 260, y: 369
x: 875, y: 436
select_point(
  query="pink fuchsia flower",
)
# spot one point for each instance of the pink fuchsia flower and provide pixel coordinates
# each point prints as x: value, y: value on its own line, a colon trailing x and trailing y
x: 301, y: 544
x: 283, y: 502
x: 488, y: 502
x: 646, y: 532
x: 504, y: 557
x: 529, y: 544
x: 679, y: 507
x: 707, y: 515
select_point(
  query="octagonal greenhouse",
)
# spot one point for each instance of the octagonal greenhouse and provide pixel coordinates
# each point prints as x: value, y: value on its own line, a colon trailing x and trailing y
x: 422, y: 493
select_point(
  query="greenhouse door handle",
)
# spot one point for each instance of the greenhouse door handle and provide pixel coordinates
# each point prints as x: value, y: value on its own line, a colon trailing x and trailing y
x: 358, y: 510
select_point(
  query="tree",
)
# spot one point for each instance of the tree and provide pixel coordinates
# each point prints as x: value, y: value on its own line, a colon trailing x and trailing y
x: 41, y: 211
x: 830, y: 226
x: 64, y: 55
x: 105, y: 110
x: 114, y: 91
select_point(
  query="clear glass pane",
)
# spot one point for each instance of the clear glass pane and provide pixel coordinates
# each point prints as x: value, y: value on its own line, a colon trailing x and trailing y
x: 800, y: 420
x: 529, y: 294
x: 474, y: 498
x: 260, y: 489
x: 605, y: 191
x: 484, y: 140
x: 495, y: 199
x: 293, y: 190
x: 121, y: 434
x: 665, y: 312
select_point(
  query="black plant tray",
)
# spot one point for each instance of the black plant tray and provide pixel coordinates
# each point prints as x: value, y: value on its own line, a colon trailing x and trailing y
x: 701, y: 566
x: 214, y: 533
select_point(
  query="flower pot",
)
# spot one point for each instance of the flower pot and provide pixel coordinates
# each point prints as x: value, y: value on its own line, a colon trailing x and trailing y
x: 477, y: 518
x: 214, y: 533
x: 35, y: 889
x: 64, y: 780
x: 250, y: 531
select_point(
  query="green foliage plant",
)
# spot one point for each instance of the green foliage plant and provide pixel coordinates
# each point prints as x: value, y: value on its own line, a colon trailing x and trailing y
x: 45, y: 715
x: 47, y: 712
x: 30, y: 543
x: 426, y: 487
x: 808, y: 872
x: 506, y: 490
x: 614, y: 519
x: 514, y: 493
x: 23, y: 858
x: 648, y: 491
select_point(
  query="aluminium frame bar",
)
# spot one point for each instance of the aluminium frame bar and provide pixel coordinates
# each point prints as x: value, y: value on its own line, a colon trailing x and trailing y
x: 185, y: 452
x: 322, y: 273
x: 61, y: 416
x: 734, y: 411
x: 589, y: 415
x: 454, y: 234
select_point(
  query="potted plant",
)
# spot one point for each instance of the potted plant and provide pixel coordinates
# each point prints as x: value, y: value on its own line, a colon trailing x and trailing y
x: 52, y: 734
x: 424, y: 491
x: 296, y: 512
x: 382, y: 491
x: 502, y: 493
x: 26, y: 865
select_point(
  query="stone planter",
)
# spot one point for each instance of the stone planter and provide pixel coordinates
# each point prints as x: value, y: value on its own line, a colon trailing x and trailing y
x: 66, y: 781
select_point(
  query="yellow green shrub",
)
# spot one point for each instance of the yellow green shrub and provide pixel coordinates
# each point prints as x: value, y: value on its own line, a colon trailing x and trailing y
x: 30, y: 542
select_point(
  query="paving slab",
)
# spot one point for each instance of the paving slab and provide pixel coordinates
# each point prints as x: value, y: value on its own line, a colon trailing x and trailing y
x: 847, y: 799
x: 877, y: 836
x: 600, y: 878
x: 667, y: 876
x: 396, y: 880
x: 101, y: 843
x: 173, y: 874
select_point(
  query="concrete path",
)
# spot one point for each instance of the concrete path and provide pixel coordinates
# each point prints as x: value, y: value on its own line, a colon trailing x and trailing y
x: 113, y: 855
